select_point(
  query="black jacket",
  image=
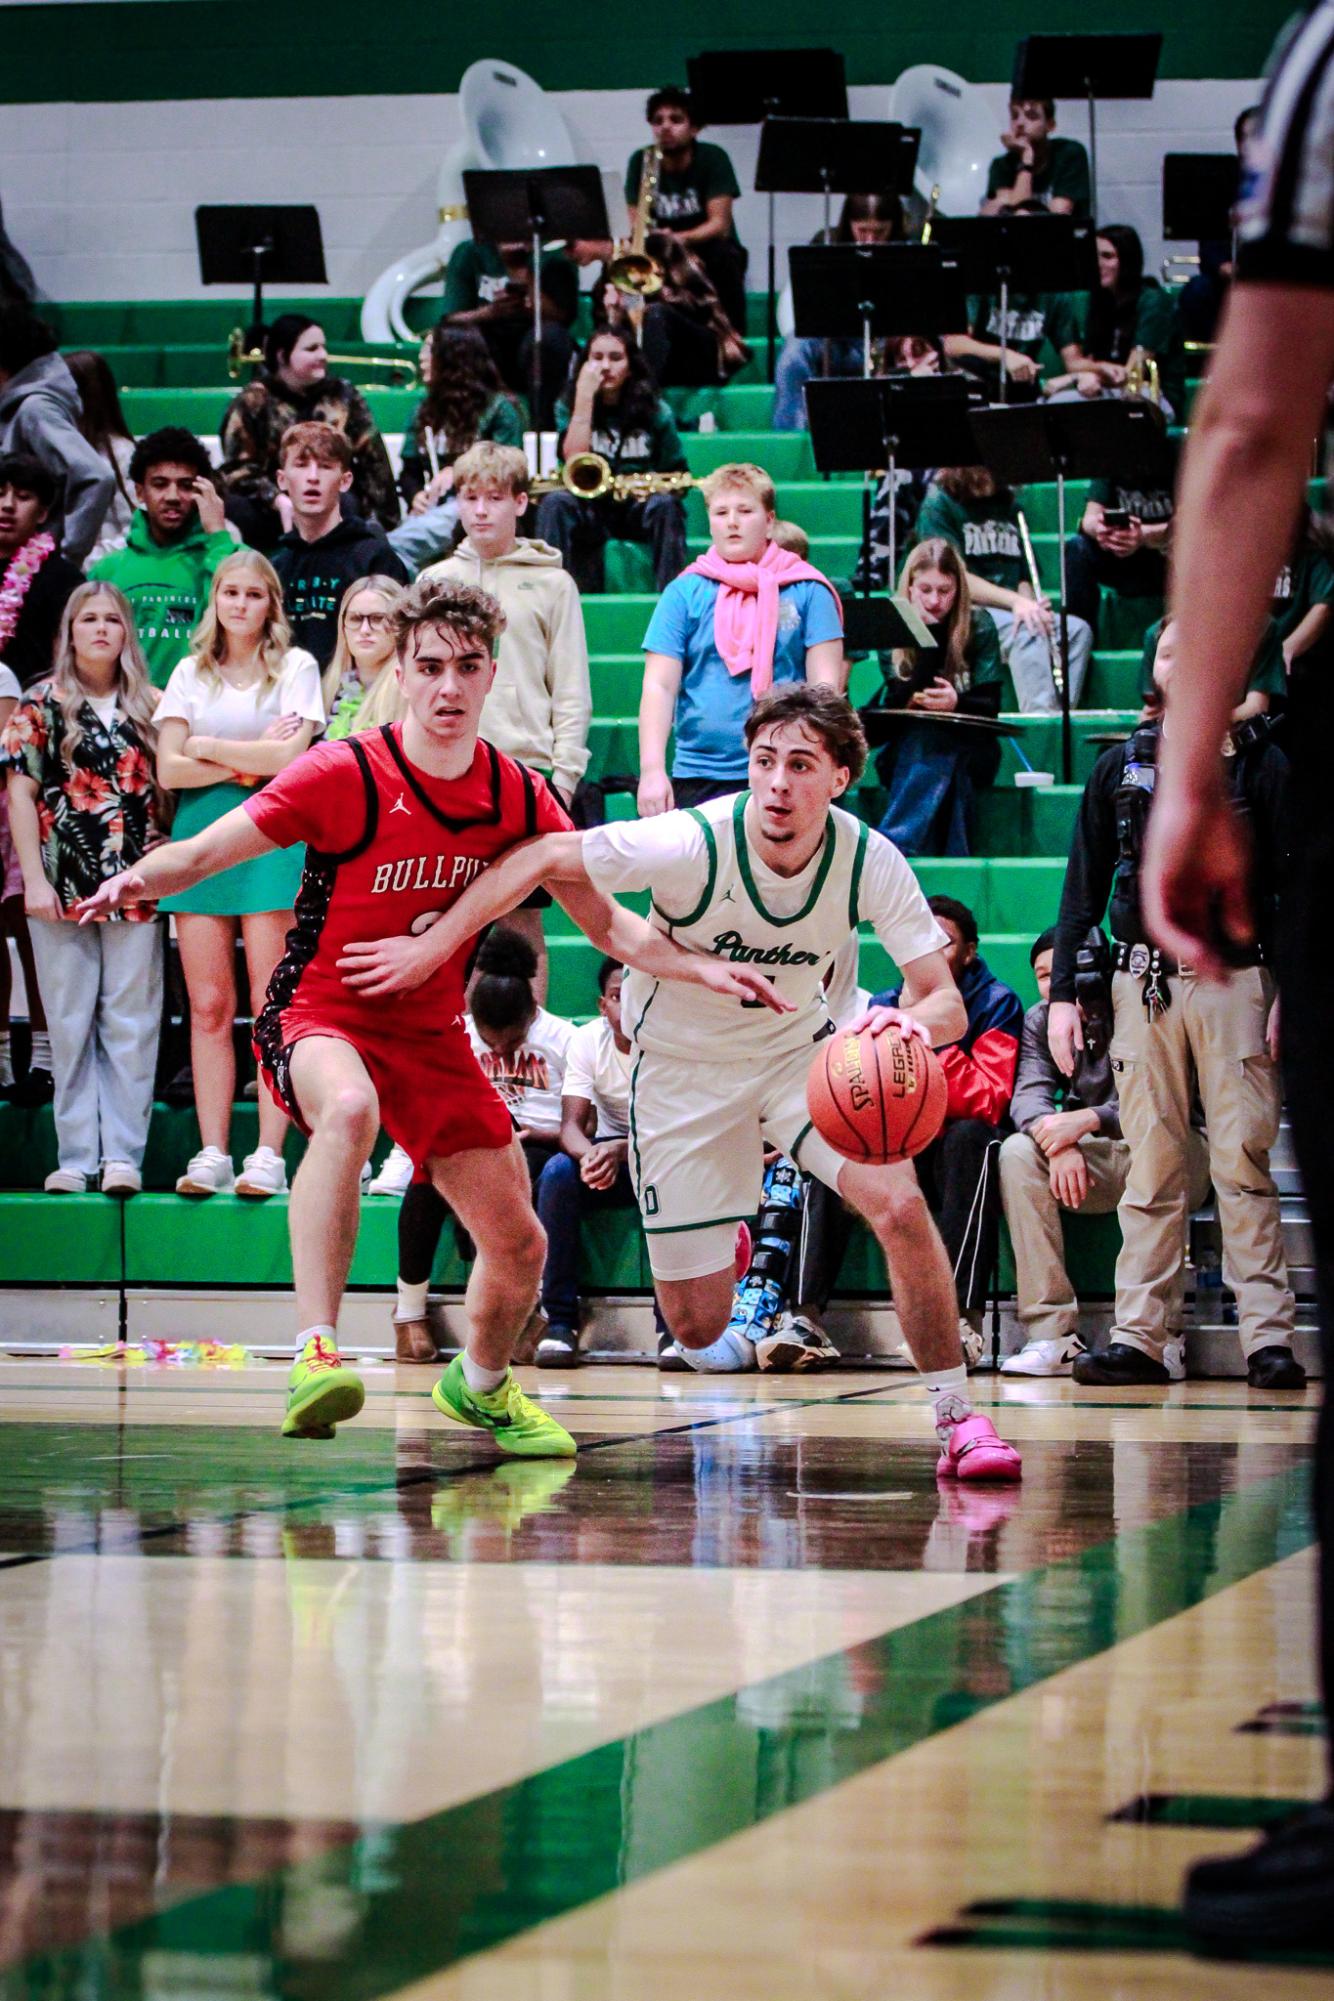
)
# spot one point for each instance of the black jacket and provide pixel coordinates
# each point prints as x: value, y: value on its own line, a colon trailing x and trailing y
x: 28, y: 654
x: 314, y: 576
x: 1097, y: 885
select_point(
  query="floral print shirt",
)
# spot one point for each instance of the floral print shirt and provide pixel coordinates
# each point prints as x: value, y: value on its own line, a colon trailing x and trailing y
x: 99, y: 815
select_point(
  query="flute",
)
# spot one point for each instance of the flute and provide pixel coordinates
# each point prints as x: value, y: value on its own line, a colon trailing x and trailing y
x: 1057, y: 657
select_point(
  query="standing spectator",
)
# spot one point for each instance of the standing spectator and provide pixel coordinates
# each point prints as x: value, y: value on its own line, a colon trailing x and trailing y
x: 35, y: 579
x: 40, y: 417
x: 239, y: 709
x: 488, y: 288
x: 1035, y: 166
x: 743, y: 617
x: 617, y: 413
x: 931, y: 772
x: 364, y: 653
x: 325, y: 549
x: 874, y: 218
x: 84, y: 805
x: 37, y: 1086
x: 958, y: 1171
x: 465, y: 401
x: 966, y: 506
x: 177, y: 537
x: 697, y: 186
x: 295, y: 387
x: 103, y: 425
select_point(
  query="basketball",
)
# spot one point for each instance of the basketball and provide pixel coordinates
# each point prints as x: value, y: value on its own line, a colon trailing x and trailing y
x: 876, y: 1098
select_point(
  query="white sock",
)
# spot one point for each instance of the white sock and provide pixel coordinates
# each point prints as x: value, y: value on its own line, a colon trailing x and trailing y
x: 41, y: 1051
x: 6, y: 1066
x: 307, y: 1333
x: 411, y: 1300
x: 948, y: 1391
x: 479, y: 1380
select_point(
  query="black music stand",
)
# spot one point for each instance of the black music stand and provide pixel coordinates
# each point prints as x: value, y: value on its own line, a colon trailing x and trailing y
x: 829, y: 156
x: 882, y: 624
x: 867, y: 291
x: 1199, y: 195
x: 518, y: 204
x: 1032, y: 253
x: 1109, y: 439
x: 244, y: 244
x: 888, y: 421
x: 743, y: 86
x: 1087, y: 66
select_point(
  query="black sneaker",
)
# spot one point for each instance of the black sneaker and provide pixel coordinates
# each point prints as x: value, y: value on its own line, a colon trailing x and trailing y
x: 35, y: 1089
x: 1279, y: 1893
x: 1275, y: 1368
x: 558, y: 1349
x: 1119, y: 1366
x: 669, y: 1355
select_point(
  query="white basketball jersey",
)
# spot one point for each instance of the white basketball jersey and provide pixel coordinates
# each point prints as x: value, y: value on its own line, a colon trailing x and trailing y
x: 730, y: 922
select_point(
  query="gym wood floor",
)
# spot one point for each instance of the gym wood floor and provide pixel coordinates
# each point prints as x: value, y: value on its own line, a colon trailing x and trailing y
x: 742, y: 1705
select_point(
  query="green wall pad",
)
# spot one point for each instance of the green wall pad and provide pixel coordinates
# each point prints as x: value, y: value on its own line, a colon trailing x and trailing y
x: 60, y: 1239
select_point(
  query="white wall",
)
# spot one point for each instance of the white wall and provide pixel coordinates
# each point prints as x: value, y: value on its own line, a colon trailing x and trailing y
x: 101, y: 198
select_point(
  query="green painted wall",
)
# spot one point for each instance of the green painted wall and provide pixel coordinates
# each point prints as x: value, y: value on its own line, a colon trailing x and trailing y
x: 239, y: 48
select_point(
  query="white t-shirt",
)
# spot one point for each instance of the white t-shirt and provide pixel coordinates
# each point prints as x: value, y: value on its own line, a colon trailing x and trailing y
x: 10, y: 690
x: 531, y: 1079
x: 597, y: 1070
x: 211, y: 707
x: 104, y: 707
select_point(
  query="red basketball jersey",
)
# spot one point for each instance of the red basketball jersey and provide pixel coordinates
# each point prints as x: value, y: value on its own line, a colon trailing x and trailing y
x: 388, y: 849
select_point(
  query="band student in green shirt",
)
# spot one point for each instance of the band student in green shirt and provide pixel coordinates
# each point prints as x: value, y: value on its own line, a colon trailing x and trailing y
x: 1035, y: 166
x: 488, y: 286
x: 697, y: 185
x: 1033, y: 320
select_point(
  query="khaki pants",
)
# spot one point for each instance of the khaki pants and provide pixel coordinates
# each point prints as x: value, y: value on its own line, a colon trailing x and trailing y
x: 1211, y: 1040
x: 1046, y: 1304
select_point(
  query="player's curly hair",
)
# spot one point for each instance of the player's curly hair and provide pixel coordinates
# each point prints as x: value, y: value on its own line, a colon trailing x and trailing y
x: 825, y: 713
x: 462, y: 607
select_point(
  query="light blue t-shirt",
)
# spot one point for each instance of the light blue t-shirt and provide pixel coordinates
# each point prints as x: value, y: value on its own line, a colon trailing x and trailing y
x: 712, y: 706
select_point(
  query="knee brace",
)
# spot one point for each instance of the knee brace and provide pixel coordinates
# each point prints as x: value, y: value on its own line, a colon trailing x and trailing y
x: 759, y: 1297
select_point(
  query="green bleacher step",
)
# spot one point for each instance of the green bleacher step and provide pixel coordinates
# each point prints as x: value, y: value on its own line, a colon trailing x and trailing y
x: 60, y: 1239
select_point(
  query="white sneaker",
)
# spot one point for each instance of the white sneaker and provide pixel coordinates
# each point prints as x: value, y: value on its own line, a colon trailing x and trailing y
x: 730, y: 1355
x: 395, y: 1177
x: 120, y: 1178
x: 1044, y: 1358
x: 796, y: 1344
x: 973, y: 1342
x: 209, y: 1173
x: 263, y: 1173
x: 66, y: 1181
x: 365, y: 1176
x: 1174, y: 1360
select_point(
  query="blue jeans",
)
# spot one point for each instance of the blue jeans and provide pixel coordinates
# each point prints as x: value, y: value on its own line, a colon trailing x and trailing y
x: 930, y: 793
x: 797, y: 363
x: 563, y: 1200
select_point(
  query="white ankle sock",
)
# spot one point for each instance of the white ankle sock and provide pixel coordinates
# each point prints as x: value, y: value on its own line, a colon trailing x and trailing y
x: 307, y: 1333
x: 41, y: 1051
x: 479, y: 1380
x: 411, y: 1300
x: 948, y: 1391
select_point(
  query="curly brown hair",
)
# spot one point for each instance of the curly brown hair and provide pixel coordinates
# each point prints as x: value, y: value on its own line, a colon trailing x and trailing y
x: 465, y: 609
x: 825, y: 713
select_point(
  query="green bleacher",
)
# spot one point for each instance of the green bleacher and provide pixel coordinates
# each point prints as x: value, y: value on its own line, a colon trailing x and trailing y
x: 170, y: 358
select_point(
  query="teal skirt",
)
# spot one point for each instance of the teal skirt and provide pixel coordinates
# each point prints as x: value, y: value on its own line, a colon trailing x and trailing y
x: 270, y: 882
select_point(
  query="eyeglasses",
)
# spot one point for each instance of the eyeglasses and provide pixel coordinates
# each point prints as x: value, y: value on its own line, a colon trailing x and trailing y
x: 374, y: 621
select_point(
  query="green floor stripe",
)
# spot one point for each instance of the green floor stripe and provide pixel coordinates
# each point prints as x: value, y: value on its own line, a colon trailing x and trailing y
x: 1068, y: 1925
x: 407, y: 1902
x: 1214, y: 1810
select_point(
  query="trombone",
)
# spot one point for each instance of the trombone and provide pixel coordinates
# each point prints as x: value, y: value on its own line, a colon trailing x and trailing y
x: 240, y: 356
x: 588, y: 476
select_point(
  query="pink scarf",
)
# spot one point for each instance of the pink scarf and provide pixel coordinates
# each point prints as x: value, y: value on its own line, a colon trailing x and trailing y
x: 17, y: 582
x: 745, y: 617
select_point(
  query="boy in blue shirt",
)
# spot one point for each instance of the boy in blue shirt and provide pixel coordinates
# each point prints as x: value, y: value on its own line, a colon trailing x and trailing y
x: 746, y: 615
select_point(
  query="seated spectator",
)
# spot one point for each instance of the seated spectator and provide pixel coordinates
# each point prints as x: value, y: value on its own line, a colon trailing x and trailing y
x: 697, y: 186
x: 37, y: 1086
x: 237, y: 710
x: 541, y: 704
x: 488, y: 288
x: 958, y: 1170
x: 1036, y: 166
x: 365, y: 652
x: 931, y: 771
x: 967, y: 507
x: 524, y: 1051
x: 744, y: 616
x: 105, y: 429
x: 465, y: 401
x: 1266, y: 686
x: 1121, y: 545
x: 617, y: 412
x: 790, y: 535
x: 83, y: 805
x: 295, y: 387
x: 1132, y: 321
x: 36, y: 580
x: 177, y: 537
x: 39, y: 419
x: 1066, y: 1153
x: 1200, y: 300
x: 683, y: 331
x: 1303, y: 602
x: 592, y: 1170
x: 863, y: 219
x: 325, y: 549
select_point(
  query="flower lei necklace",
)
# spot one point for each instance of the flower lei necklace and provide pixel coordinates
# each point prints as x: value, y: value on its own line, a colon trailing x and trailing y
x: 17, y: 582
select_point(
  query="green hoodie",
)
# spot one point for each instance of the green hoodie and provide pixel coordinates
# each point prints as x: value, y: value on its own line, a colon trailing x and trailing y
x: 167, y: 587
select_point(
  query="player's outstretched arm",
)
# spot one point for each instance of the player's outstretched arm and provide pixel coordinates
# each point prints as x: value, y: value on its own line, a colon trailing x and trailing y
x: 179, y: 865
x: 932, y: 1005
x: 622, y: 935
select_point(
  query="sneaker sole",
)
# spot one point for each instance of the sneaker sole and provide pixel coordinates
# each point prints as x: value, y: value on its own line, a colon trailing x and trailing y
x: 782, y: 1357
x: 556, y: 1358
x: 324, y: 1406
x: 249, y: 1193
x: 192, y: 1188
x: 518, y: 1448
x: 1007, y: 1368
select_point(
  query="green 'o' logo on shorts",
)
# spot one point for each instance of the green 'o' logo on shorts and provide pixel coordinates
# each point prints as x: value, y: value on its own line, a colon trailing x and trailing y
x: 649, y: 1200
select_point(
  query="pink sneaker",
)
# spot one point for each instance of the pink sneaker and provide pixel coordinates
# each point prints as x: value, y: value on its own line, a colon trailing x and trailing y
x: 976, y: 1453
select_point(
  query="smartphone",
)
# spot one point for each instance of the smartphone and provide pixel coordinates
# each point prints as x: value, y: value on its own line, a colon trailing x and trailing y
x: 1115, y: 517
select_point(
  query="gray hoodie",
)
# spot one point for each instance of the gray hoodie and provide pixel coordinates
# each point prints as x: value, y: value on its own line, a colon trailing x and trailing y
x: 39, y: 414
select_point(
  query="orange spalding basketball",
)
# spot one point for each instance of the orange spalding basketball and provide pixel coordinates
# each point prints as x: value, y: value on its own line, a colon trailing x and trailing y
x: 876, y: 1098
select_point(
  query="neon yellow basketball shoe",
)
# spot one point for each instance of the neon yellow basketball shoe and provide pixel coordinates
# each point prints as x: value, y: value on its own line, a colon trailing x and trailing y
x: 517, y: 1424
x: 320, y: 1391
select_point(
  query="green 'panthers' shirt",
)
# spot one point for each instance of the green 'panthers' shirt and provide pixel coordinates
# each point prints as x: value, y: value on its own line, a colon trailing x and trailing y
x: 1066, y: 174
x: 683, y: 197
x: 1300, y: 586
x: 1268, y: 675
x: 476, y: 274
x: 1032, y: 319
x: 985, y: 532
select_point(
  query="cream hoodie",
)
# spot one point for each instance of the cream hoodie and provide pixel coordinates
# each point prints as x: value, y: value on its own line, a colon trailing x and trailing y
x: 540, y: 707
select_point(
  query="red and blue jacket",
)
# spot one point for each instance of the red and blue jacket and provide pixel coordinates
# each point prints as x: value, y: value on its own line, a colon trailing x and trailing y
x: 980, y: 1067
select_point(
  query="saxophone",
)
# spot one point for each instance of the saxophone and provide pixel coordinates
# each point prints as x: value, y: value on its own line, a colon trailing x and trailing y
x: 631, y: 269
